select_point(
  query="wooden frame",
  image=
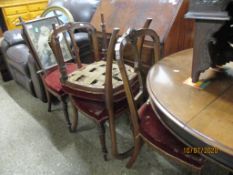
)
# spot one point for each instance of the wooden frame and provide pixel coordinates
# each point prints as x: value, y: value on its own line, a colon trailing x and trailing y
x: 63, y: 14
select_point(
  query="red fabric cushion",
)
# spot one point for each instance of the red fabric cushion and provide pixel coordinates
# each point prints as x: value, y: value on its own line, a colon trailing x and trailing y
x: 52, y: 79
x: 98, y: 110
x: 153, y: 130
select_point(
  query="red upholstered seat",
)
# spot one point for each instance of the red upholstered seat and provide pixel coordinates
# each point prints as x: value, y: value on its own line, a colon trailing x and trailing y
x: 98, y: 110
x: 155, y: 132
x: 52, y: 79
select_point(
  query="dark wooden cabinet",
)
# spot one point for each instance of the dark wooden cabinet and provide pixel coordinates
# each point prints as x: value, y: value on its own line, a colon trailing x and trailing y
x: 175, y: 32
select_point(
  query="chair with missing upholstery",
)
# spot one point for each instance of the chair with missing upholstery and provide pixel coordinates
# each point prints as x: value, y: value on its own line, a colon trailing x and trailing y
x: 145, y: 123
x: 88, y: 84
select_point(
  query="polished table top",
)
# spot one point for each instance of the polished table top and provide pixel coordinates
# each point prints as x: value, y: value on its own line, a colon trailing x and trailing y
x: 200, y: 117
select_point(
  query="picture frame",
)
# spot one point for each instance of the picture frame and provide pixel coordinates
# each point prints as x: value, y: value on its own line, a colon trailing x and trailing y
x: 37, y: 33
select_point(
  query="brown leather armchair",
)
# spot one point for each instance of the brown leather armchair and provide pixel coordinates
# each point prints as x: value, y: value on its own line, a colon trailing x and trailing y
x: 16, y: 54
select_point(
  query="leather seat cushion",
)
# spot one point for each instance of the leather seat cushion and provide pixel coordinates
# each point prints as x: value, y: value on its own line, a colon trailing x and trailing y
x: 18, y: 58
x: 52, y: 78
x: 154, y: 131
x: 98, y: 110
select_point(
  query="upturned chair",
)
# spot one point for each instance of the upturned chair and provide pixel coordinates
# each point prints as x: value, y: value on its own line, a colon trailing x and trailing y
x: 89, y: 85
x: 36, y: 34
x: 96, y: 90
x: 146, y: 125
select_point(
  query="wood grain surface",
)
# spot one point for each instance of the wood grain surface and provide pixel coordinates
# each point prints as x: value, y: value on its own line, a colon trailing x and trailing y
x: 207, y: 114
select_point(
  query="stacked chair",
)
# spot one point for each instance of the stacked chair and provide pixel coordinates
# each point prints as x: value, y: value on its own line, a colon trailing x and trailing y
x: 98, y: 91
x: 104, y: 89
x: 95, y: 90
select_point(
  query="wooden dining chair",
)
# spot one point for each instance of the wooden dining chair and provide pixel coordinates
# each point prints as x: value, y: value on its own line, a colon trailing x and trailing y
x: 88, y: 85
x: 36, y: 34
x: 96, y: 89
x: 146, y: 125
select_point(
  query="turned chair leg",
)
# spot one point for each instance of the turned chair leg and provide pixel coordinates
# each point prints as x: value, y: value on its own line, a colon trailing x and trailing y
x: 66, y: 114
x: 101, y: 129
x: 138, y: 144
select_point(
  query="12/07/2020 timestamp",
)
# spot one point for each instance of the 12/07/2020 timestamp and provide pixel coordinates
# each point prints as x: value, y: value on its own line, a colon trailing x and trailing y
x: 201, y: 150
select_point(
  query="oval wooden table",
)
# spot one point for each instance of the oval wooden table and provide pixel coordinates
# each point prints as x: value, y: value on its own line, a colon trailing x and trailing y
x: 201, y: 118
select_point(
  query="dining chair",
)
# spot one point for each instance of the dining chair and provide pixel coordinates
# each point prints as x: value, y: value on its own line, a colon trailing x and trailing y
x: 88, y: 85
x: 146, y: 125
x: 36, y: 34
x: 96, y: 89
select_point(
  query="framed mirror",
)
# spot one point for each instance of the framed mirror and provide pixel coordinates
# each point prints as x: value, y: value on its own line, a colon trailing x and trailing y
x: 63, y: 14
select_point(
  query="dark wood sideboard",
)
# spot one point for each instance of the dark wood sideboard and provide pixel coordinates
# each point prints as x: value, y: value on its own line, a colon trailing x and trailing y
x: 176, y: 33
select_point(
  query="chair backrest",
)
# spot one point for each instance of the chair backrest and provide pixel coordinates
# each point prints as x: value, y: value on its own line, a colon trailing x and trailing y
x: 36, y: 34
x: 131, y: 37
x: 69, y: 29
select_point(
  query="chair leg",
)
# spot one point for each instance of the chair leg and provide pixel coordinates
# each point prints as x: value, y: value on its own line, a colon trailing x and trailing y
x: 66, y: 114
x: 49, y: 100
x: 137, y: 148
x: 101, y: 129
x: 112, y: 128
x: 74, y: 123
